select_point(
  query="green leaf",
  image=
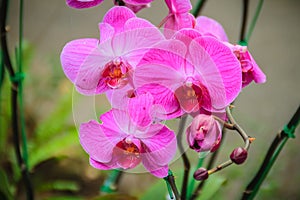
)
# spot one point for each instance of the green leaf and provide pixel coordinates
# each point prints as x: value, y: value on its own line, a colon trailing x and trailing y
x: 212, y: 185
x: 56, y: 146
x: 61, y: 185
x: 56, y: 120
x: 5, y: 193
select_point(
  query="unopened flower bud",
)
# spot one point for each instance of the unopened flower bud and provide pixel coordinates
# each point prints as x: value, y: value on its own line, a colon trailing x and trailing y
x: 204, y: 133
x: 201, y: 174
x: 239, y: 155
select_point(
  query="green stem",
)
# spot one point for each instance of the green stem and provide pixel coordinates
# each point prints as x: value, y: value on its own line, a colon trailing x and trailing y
x: 15, y: 81
x: 273, y: 152
x: 244, y: 23
x: 254, y: 20
x: 111, y: 183
x: 20, y: 69
x: 198, y: 7
x: 184, y: 157
x: 192, y: 181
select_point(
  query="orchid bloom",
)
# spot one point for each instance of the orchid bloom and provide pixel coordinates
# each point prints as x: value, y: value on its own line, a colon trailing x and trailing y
x: 134, y: 5
x: 125, y: 139
x: 250, y: 70
x: 201, y: 72
x: 178, y: 17
x: 80, y: 4
x: 204, y: 133
x: 96, y: 66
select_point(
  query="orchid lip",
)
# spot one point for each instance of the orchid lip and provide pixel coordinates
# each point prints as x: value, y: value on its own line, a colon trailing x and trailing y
x: 115, y: 73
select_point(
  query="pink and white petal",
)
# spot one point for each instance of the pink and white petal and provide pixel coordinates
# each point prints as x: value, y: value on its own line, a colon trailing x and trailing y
x: 134, y: 39
x: 89, y: 75
x: 80, y: 4
x: 156, y: 170
x: 217, y: 57
x: 137, y: 8
x: 258, y: 74
x: 167, y: 106
x: 112, y: 123
x: 102, y: 166
x: 186, y: 35
x: 139, y: 23
x: 138, y: 2
x: 95, y: 142
x: 139, y: 109
x: 161, y: 147
x: 119, y: 98
x: 210, y: 27
x: 75, y: 53
x: 117, y: 17
x: 106, y: 32
x: 179, y: 6
x: 157, y: 74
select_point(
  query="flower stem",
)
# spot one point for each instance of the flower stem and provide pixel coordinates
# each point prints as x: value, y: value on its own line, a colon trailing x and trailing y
x: 184, y: 157
x: 15, y: 81
x: 273, y: 152
x: 111, y: 183
x: 211, y: 162
x: 171, y: 181
x: 192, y: 182
x: 198, y: 7
x: 20, y: 69
x: 254, y: 20
x: 244, y: 22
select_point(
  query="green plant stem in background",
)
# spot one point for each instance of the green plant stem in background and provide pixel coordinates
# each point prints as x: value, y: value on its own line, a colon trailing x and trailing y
x: 184, y: 157
x: 15, y: 80
x: 254, y: 20
x: 171, y: 183
x: 20, y: 71
x: 273, y: 152
x: 192, y: 181
x: 111, y: 183
x: 198, y: 7
x: 244, y: 37
x: 211, y: 162
x: 243, y: 40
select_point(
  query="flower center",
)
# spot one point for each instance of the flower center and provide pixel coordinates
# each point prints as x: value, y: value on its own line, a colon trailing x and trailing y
x: 128, y: 154
x: 189, y: 97
x: 115, y: 74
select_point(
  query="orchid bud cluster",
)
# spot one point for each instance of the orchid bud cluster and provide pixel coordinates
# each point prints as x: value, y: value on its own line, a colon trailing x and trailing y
x: 151, y: 75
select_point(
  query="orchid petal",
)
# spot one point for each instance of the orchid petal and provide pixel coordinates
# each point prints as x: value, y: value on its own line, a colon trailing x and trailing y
x: 79, y: 4
x: 102, y: 166
x: 210, y: 27
x: 134, y: 38
x: 160, y: 148
x: 219, y: 66
x: 179, y: 6
x: 95, y: 142
x: 139, y: 109
x: 138, y: 2
x: 117, y: 17
x: 74, y: 54
x: 106, y: 32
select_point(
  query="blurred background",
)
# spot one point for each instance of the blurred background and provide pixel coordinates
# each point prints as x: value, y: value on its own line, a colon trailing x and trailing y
x: 60, y: 167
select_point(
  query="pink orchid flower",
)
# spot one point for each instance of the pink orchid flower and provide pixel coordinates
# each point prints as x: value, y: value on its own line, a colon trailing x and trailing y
x: 250, y: 70
x: 178, y: 17
x: 201, y: 72
x: 204, y: 133
x: 96, y: 66
x: 124, y: 140
x: 134, y: 5
x: 80, y: 4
